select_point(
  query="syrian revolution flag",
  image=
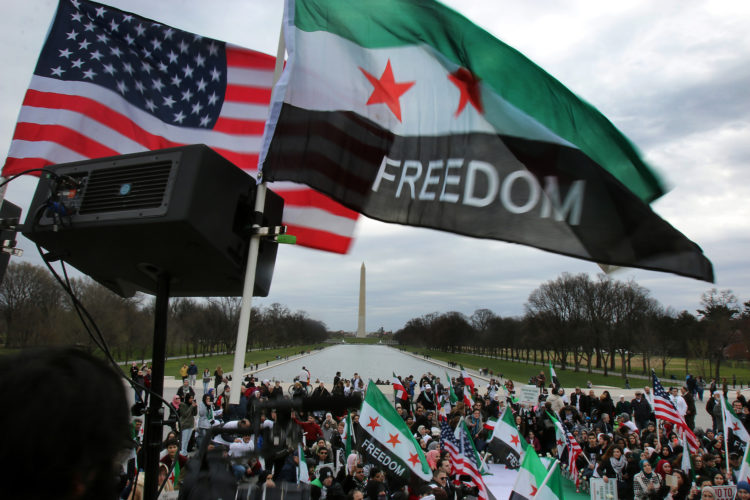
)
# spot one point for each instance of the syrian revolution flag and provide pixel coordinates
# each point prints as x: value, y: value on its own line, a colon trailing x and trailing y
x: 387, y: 441
x: 467, y: 378
x: 534, y: 481
x: 506, y: 443
x: 303, y: 474
x: 398, y: 389
x: 553, y: 376
x: 174, y: 474
x: 347, y: 436
x: 407, y: 112
x: 453, y: 397
x: 108, y: 82
x: 560, y: 437
x: 733, y: 423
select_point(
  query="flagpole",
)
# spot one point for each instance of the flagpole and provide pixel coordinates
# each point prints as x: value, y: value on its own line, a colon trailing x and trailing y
x: 252, y: 258
x: 549, y: 475
x: 726, y: 435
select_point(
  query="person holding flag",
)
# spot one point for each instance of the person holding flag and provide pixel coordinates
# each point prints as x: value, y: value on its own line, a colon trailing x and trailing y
x: 665, y: 410
x: 733, y: 423
x: 464, y: 459
x: 386, y: 441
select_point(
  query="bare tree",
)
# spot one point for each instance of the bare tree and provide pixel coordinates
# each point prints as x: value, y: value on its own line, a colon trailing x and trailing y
x: 718, y: 311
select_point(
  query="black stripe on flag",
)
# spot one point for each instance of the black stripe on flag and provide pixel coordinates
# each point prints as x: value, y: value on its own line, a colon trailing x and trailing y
x: 540, y: 194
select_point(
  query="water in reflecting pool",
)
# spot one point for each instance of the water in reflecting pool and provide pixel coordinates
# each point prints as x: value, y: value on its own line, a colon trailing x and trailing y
x: 370, y: 361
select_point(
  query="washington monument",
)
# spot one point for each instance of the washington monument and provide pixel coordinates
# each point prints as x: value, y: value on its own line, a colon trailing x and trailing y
x: 361, y: 332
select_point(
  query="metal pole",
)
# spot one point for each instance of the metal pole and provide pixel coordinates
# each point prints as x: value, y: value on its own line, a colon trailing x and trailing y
x: 252, y: 263
x: 549, y: 475
x: 726, y: 435
x: 154, y: 414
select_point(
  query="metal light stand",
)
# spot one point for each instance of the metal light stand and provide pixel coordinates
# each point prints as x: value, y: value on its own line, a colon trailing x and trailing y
x: 155, y: 411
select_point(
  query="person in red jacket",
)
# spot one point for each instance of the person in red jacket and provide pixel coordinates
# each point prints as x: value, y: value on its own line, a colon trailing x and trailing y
x: 310, y: 428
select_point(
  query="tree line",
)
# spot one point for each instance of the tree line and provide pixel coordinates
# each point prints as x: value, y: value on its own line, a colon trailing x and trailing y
x: 35, y: 310
x: 582, y: 323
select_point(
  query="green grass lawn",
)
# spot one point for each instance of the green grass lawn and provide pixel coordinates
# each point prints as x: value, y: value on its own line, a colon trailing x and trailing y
x: 521, y: 372
x: 675, y: 366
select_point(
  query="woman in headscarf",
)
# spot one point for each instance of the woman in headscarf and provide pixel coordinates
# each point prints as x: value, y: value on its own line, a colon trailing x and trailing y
x: 432, y: 459
x: 708, y: 493
x: 664, y: 469
x: 647, y: 483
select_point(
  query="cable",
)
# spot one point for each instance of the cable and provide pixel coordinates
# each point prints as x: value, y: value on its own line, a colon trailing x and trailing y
x: 103, y: 346
x: 29, y: 171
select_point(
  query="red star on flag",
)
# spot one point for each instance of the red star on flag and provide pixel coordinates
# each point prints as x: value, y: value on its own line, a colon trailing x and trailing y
x: 514, y: 440
x: 373, y: 423
x: 394, y: 439
x: 559, y: 442
x: 386, y: 90
x: 533, y: 490
x: 735, y: 427
x: 468, y: 85
x: 414, y: 458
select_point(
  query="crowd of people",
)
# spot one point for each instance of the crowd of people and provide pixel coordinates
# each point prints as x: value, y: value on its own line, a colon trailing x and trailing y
x: 619, y: 437
x: 622, y: 441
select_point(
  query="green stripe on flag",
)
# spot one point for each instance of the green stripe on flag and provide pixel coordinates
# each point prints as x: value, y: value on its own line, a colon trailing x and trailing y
x: 395, y: 23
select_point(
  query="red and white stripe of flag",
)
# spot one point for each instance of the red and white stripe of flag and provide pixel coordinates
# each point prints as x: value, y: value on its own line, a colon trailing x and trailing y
x: 459, y: 466
x: 574, y: 451
x: 468, y: 401
x: 64, y: 121
x: 398, y: 389
x: 665, y: 410
x: 467, y: 378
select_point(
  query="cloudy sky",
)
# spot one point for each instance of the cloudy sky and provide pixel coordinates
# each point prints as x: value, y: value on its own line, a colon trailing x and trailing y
x: 673, y: 75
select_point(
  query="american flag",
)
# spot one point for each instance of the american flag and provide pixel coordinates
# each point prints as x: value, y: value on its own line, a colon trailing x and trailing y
x: 462, y: 456
x: 108, y: 82
x: 665, y: 410
x: 574, y: 451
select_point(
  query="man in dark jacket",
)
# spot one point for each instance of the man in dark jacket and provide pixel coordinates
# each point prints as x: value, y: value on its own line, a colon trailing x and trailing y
x: 427, y: 398
x: 641, y: 410
x: 690, y: 414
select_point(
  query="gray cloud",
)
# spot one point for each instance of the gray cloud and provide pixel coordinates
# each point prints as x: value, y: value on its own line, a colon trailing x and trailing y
x: 672, y: 75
